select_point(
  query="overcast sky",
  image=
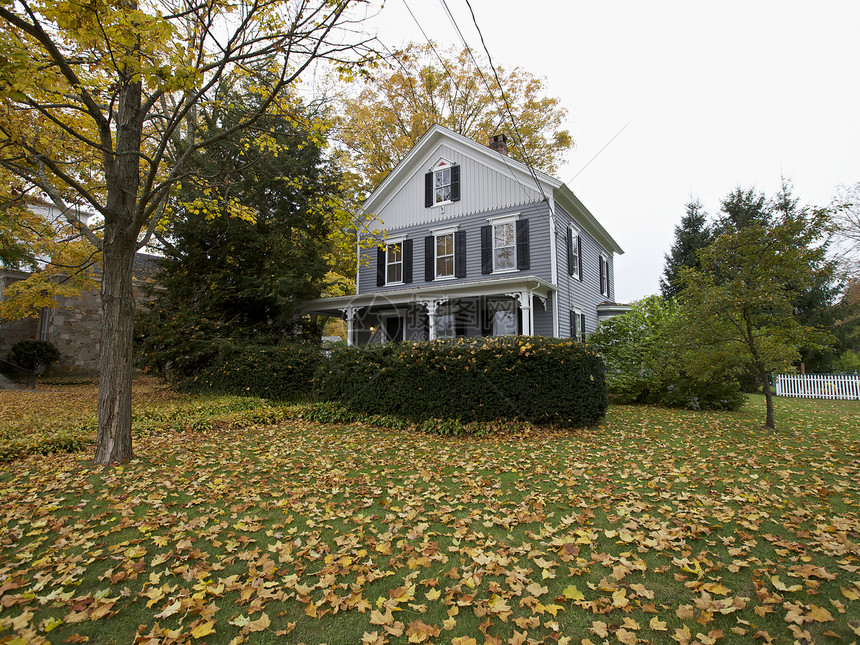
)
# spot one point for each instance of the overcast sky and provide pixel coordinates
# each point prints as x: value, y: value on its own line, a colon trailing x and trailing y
x: 716, y: 95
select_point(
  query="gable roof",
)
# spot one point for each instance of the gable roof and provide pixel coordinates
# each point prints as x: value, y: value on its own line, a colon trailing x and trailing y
x: 418, y: 160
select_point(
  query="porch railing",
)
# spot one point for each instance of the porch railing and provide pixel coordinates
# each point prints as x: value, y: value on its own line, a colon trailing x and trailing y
x: 819, y: 386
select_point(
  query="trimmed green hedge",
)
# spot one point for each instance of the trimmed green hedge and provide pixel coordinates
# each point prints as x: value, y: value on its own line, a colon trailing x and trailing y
x: 281, y: 373
x: 540, y: 380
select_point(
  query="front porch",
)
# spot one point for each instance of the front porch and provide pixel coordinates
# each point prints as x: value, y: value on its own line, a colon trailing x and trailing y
x: 500, y: 307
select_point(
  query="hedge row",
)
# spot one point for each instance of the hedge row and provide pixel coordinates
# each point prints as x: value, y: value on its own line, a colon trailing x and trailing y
x: 539, y: 380
x: 280, y: 373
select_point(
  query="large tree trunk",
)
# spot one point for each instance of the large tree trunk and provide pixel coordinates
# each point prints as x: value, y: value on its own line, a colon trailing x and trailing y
x: 113, y: 444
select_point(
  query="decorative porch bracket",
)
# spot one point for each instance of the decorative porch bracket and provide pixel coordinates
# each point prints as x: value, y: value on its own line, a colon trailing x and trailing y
x: 349, y: 314
x: 432, y: 306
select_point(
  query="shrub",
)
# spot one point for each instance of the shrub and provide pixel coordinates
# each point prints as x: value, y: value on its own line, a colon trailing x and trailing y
x: 848, y: 361
x: 281, y: 373
x: 33, y: 354
x: 541, y: 380
x: 647, y: 352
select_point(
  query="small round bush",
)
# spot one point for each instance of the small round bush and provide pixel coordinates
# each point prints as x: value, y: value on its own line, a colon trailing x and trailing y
x: 32, y: 354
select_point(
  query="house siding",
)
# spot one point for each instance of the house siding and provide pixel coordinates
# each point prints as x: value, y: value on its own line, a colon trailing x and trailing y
x: 537, y: 215
x: 573, y: 293
x: 482, y: 189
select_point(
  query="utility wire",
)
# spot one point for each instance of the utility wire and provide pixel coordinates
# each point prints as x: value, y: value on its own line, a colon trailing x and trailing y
x: 492, y: 97
x: 501, y: 89
x: 433, y: 47
x: 597, y: 154
x: 457, y: 87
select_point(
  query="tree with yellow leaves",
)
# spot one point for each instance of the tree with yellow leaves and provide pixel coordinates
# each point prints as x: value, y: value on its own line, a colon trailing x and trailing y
x: 403, y: 98
x: 97, y: 112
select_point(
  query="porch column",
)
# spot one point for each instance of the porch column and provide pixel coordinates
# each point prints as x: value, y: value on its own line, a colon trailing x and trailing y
x: 349, y: 314
x: 431, y: 306
x: 525, y: 299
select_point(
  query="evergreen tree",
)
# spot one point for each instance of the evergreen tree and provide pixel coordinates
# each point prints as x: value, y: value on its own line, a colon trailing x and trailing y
x: 742, y: 208
x: 818, y: 304
x: 248, y: 240
x: 692, y: 234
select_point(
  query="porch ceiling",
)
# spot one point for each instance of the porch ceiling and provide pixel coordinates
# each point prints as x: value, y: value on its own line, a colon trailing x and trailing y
x: 444, y: 291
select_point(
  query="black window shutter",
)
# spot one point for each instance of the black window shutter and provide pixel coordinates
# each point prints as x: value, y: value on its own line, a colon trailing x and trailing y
x: 570, y: 251
x: 486, y: 249
x: 407, y: 261
x: 455, y: 183
x: 380, y: 266
x: 573, y: 325
x: 428, y: 190
x: 460, y: 254
x: 429, y: 259
x: 523, y: 261
x: 608, y: 281
x: 582, y: 327
x: 602, y: 269
x: 579, y: 254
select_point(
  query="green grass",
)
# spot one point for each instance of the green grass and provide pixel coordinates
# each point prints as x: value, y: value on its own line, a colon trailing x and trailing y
x: 707, y: 522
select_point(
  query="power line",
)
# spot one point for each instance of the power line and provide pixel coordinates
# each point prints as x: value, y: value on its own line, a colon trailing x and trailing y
x: 433, y: 47
x: 458, y: 90
x: 597, y: 154
x: 499, y: 84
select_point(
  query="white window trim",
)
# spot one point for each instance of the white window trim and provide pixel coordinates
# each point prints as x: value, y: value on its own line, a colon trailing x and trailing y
x: 578, y: 313
x: 497, y: 221
x: 441, y: 164
x: 448, y: 230
x: 605, y: 259
x: 503, y: 219
x: 575, y: 232
x: 388, y: 242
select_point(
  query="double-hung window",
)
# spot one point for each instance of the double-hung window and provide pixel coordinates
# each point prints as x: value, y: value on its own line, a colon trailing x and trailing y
x: 505, y: 244
x: 577, y: 325
x: 394, y: 262
x: 445, y: 255
x: 574, y: 253
x: 442, y: 184
x: 504, y: 247
x: 604, y: 275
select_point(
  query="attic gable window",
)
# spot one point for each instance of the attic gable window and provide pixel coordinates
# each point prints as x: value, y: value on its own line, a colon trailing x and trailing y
x: 442, y: 184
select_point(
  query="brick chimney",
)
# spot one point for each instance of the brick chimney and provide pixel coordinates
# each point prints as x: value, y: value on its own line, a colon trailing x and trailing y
x: 499, y: 143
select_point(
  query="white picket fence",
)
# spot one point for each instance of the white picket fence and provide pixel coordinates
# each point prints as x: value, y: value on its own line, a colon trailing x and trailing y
x: 819, y: 386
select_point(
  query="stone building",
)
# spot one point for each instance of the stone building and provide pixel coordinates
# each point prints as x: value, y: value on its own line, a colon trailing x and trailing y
x: 74, y: 325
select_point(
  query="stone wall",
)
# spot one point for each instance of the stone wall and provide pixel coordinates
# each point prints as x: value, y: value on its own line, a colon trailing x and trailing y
x: 13, y: 331
x: 74, y: 328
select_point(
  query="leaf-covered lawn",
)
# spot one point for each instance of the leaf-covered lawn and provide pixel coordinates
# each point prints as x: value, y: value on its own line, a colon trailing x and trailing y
x: 658, y: 526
